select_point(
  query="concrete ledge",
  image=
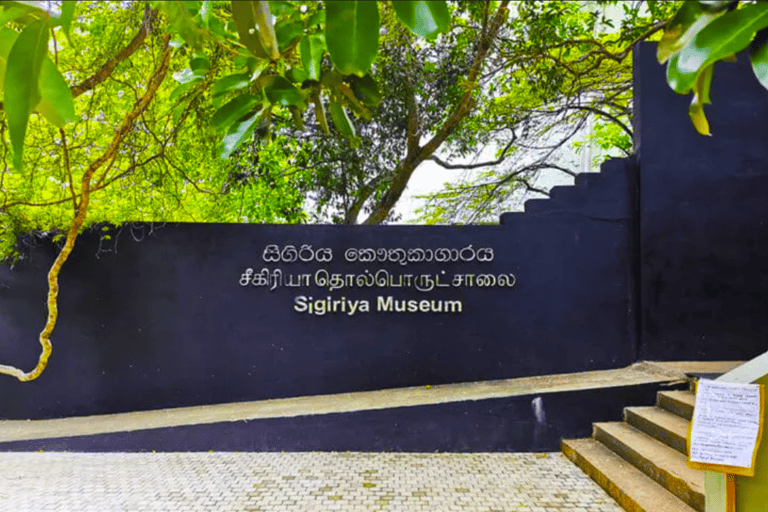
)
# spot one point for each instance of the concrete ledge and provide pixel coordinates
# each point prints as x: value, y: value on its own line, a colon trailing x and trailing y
x: 637, y: 374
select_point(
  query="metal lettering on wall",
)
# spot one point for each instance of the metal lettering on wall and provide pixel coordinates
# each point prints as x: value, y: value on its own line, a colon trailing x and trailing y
x: 275, y: 278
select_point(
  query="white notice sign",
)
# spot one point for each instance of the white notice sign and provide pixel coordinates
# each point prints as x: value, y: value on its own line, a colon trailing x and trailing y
x: 726, y: 422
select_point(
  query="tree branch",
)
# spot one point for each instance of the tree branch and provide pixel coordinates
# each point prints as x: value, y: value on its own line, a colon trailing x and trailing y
x: 108, y: 67
x: 81, y: 210
x: 414, y: 131
x: 602, y: 113
x: 462, y: 109
x: 446, y: 165
x: 67, y: 168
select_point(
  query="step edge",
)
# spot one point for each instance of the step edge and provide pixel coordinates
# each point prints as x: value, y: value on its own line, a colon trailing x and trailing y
x: 680, y: 403
x: 672, y: 435
x: 668, y: 472
x: 625, y: 499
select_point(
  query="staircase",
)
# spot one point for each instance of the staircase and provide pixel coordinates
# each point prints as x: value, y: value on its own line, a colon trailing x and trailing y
x: 604, y: 195
x: 641, y: 462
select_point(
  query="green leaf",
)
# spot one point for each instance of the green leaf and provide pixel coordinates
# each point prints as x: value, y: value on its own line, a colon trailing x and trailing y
x: 67, y: 14
x: 216, y: 26
x: 234, y: 110
x: 316, y: 19
x: 352, y: 35
x: 253, y: 21
x: 22, y: 75
x: 730, y: 33
x: 178, y: 110
x: 21, y: 12
x: 56, y: 103
x: 193, y: 6
x: 287, y: 32
x: 758, y: 55
x: 7, y: 38
x: 699, y: 120
x: 237, y: 134
x: 296, y: 75
x: 701, y: 98
x: 687, y: 22
x: 281, y: 7
x: 230, y: 83
x: 183, y: 21
x: 703, y: 84
x: 425, y: 19
x: 199, y: 66
x: 281, y: 91
x: 366, y: 90
x: 311, y: 49
x: 182, y: 89
x: 340, y: 120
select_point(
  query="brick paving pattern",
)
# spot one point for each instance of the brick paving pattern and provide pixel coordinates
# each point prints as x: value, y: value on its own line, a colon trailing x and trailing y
x: 272, y: 482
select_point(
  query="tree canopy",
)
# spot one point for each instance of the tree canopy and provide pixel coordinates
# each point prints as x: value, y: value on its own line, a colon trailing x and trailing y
x: 255, y: 111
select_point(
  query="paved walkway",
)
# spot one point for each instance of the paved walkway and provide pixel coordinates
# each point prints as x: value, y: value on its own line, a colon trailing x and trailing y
x: 117, y: 482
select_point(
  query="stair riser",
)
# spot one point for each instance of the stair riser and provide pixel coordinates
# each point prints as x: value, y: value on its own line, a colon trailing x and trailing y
x: 673, y: 484
x: 670, y: 404
x: 671, y: 439
x: 624, y: 501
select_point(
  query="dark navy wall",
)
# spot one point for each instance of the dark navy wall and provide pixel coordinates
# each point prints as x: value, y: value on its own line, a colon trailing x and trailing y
x: 164, y: 322
x: 704, y: 216
x: 664, y: 262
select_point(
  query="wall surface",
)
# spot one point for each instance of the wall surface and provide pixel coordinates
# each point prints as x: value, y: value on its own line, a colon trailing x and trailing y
x: 704, y: 216
x: 165, y: 321
x: 661, y: 256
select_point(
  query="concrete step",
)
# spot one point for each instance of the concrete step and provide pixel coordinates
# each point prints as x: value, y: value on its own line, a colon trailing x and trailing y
x: 660, y: 462
x: 630, y: 487
x: 667, y: 427
x: 678, y: 402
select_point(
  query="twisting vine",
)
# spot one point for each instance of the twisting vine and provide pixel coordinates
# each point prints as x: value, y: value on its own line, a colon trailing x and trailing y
x: 81, y: 210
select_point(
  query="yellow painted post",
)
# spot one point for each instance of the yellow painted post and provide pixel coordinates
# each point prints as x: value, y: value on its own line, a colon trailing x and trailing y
x: 730, y: 493
x: 751, y: 493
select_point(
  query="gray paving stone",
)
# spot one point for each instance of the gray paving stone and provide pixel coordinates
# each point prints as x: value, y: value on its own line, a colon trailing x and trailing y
x: 349, y: 482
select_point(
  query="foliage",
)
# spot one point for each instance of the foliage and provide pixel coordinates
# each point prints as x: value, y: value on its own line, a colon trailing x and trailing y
x: 430, y: 90
x: 702, y: 33
x: 423, y: 82
x: 114, y: 140
x: 559, y: 68
x: 237, y: 111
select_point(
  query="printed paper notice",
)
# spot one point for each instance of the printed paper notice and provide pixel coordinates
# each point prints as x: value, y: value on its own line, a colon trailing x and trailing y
x: 726, y: 422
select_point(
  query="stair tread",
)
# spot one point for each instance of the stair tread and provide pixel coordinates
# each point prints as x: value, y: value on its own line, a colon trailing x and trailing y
x: 678, y: 402
x: 657, y: 460
x: 666, y: 419
x: 686, y: 397
x: 630, y: 487
x: 674, y: 428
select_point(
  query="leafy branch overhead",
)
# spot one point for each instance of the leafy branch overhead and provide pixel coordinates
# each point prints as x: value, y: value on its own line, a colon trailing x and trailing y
x: 252, y: 111
x: 30, y: 81
x: 249, y: 67
x: 281, y: 64
x: 705, y: 32
x: 319, y: 58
